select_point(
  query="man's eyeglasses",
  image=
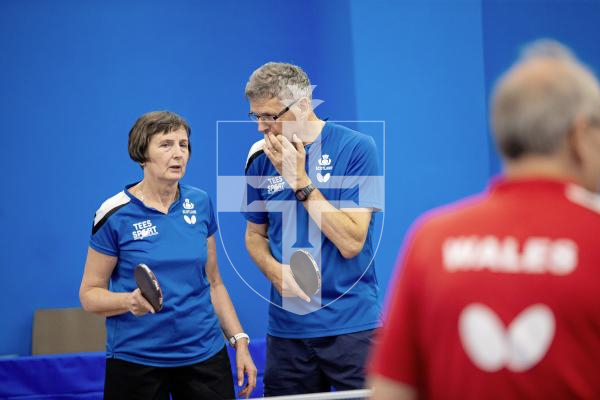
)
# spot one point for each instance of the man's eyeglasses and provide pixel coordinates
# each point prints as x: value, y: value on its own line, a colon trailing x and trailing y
x: 270, y: 117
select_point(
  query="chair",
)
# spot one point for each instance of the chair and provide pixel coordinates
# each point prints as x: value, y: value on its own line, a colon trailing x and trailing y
x: 67, y: 330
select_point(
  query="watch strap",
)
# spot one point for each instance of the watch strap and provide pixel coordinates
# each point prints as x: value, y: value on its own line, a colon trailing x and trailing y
x: 234, y: 339
x: 303, y: 193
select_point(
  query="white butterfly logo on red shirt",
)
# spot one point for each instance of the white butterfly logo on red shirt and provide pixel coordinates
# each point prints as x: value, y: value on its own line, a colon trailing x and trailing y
x: 519, y: 347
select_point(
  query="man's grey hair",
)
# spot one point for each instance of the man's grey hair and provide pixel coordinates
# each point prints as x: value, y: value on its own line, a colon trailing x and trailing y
x: 277, y: 79
x: 534, y: 116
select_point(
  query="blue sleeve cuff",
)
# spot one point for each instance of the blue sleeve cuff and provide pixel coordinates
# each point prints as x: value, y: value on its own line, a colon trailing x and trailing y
x: 103, y: 250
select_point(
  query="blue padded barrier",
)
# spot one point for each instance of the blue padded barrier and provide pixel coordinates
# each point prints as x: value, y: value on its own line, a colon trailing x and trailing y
x: 80, y: 375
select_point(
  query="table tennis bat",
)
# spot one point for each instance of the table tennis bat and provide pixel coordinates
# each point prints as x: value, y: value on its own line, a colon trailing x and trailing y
x: 149, y: 286
x: 306, y: 272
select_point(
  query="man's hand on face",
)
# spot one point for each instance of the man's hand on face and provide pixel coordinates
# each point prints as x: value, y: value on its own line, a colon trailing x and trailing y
x: 288, y: 158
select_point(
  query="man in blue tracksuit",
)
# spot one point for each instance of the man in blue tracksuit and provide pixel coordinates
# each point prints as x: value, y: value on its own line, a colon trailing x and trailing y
x: 307, y: 188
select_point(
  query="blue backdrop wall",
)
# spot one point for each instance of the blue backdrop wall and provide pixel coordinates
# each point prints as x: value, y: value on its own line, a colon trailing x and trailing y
x: 75, y: 75
x: 419, y: 66
x: 507, y: 26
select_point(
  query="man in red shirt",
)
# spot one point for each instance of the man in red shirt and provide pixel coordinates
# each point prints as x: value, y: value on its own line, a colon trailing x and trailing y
x: 497, y: 296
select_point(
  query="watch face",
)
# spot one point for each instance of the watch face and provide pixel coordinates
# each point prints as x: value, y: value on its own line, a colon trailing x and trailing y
x: 303, y: 193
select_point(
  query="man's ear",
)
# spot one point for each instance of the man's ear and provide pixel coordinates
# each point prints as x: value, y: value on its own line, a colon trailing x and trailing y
x: 305, y: 106
x: 576, y: 138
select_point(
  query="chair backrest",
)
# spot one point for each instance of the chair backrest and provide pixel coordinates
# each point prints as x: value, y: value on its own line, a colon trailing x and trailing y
x: 67, y: 330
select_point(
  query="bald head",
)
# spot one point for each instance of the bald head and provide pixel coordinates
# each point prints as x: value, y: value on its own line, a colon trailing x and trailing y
x: 536, y: 102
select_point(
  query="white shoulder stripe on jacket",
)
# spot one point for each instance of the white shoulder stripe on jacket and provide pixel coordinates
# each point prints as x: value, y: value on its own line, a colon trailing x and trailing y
x: 117, y: 200
x: 254, y: 150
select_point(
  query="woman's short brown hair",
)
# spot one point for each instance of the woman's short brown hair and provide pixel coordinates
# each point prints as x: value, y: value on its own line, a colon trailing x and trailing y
x: 149, y: 125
